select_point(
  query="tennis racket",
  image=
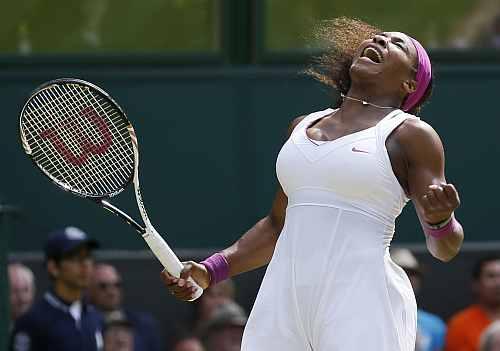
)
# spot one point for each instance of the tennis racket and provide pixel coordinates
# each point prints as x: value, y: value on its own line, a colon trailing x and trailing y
x: 81, y: 139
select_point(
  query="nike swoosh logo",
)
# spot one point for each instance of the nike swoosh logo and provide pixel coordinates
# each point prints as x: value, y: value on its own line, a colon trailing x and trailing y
x: 358, y: 150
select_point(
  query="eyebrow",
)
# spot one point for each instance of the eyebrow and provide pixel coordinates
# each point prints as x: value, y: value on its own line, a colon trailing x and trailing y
x: 401, y: 40
x: 397, y: 39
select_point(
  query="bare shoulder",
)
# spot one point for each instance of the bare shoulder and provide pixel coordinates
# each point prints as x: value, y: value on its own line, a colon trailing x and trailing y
x: 414, y: 134
x: 416, y: 127
x: 294, y: 124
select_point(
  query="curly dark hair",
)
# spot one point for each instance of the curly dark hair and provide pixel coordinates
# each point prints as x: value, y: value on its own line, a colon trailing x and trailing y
x: 342, y: 37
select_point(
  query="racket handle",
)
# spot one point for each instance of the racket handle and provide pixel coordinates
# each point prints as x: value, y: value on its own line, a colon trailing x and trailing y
x: 168, y: 258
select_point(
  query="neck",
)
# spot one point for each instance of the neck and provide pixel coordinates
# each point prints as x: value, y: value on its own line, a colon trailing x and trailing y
x: 373, y: 95
x: 67, y: 293
x: 491, y: 309
x: 355, y: 112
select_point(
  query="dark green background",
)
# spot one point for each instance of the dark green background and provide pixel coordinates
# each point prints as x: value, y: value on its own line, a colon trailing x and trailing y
x: 209, y: 138
x: 210, y: 88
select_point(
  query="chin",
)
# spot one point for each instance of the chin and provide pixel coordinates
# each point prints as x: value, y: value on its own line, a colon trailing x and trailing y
x: 361, y: 71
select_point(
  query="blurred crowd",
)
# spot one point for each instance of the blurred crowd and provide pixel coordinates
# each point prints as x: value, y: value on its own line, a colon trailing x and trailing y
x: 84, y: 308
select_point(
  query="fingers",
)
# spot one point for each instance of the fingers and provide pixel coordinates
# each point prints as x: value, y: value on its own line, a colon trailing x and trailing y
x: 439, y: 202
x: 452, y: 194
x: 186, y: 271
x: 181, y: 288
x: 167, y: 278
x: 441, y: 197
x: 438, y: 198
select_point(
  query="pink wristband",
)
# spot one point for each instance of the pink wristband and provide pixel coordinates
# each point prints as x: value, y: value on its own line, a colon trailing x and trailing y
x: 217, y: 266
x: 452, y: 226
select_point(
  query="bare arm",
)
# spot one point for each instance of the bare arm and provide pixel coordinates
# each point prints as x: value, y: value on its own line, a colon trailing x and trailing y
x: 253, y: 250
x: 434, y: 199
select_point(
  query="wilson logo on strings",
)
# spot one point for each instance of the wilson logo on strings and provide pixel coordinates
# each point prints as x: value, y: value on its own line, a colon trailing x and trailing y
x: 84, y: 141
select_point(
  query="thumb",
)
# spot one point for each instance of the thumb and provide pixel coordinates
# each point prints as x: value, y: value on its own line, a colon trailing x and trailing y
x: 186, y: 271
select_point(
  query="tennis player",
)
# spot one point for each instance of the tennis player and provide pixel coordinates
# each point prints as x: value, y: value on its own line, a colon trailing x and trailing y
x: 345, y: 174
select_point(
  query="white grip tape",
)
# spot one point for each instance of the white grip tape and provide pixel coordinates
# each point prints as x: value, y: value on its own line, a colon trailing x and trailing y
x: 168, y: 258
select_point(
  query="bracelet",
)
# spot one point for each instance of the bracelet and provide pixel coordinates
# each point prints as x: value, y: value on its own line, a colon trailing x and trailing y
x: 440, y: 224
x: 217, y: 267
x: 445, y: 228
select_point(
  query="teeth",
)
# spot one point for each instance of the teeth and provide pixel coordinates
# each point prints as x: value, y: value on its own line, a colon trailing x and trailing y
x: 369, y: 52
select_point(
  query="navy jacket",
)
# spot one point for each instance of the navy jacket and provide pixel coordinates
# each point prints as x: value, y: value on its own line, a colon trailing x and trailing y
x: 49, y: 326
x: 146, y: 335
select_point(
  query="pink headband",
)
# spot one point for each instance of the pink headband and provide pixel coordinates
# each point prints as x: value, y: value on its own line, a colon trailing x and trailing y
x: 424, y: 74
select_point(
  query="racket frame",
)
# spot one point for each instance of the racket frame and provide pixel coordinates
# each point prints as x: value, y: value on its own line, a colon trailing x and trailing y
x: 28, y: 150
x: 155, y: 241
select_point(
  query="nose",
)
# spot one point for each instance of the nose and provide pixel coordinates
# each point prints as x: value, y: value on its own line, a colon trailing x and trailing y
x: 380, y: 40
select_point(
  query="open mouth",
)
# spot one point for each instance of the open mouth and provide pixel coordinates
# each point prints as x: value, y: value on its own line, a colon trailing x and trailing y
x: 372, y: 54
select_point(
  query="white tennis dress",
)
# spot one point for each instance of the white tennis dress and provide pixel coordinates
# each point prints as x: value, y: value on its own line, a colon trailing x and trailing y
x: 331, y: 284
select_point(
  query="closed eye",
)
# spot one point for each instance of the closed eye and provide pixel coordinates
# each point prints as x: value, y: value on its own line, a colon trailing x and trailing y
x: 401, y: 45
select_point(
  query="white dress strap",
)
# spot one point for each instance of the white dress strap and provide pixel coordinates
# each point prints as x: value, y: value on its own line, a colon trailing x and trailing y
x: 387, y: 125
x: 310, y: 118
x: 383, y: 130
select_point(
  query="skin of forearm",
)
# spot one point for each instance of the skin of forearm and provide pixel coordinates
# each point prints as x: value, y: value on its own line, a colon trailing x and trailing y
x: 254, y: 249
x: 447, y: 247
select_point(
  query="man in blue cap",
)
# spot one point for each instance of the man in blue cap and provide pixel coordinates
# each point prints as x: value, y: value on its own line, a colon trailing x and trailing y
x: 62, y: 320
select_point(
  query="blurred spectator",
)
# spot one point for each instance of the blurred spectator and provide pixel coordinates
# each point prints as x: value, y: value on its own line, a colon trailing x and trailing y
x: 431, y: 329
x: 212, y: 297
x: 105, y: 292
x: 118, y: 333
x: 494, y: 40
x: 490, y: 338
x: 466, y: 326
x: 224, y: 330
x: 22, y: 290
x: 62, y: 320
x: 188, y: 343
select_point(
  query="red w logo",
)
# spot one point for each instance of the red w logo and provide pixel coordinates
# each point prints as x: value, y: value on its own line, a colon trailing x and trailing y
x: 83, y: 140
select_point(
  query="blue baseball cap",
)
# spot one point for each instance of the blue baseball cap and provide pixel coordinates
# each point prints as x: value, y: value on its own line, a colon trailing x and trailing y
x: 65, y: 240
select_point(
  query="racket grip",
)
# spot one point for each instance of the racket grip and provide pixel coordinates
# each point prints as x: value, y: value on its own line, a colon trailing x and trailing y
x: 168, y: 258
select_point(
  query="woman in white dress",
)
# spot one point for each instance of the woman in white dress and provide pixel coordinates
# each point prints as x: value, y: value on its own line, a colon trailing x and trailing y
x: 344, y: 176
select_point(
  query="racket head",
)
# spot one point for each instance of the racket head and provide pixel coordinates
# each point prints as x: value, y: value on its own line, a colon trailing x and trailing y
x: 79, y: 137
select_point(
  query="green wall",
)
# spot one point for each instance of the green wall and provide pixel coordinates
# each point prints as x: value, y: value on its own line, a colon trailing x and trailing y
x: 209, y: 138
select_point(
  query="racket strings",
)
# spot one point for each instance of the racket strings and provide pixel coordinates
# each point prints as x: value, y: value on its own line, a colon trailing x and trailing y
x: 117, y: 123
x: 50, y: 161
x: 47, y: 105
x: 75, y: 147
x: 109, y: 169
x: 80, y: 139
x: 100, y: 170
x: 34, y: 132
x: 120, y: 127
x: 64, y: 132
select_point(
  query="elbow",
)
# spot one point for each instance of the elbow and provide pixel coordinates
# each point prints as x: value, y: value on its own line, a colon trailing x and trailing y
x: 276, y: 225
x: 443, y: 249
x: 445, y: 256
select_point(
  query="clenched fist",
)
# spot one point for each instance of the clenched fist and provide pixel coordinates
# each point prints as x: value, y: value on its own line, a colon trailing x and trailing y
x: 181, y: 288
x: 439, y: 202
